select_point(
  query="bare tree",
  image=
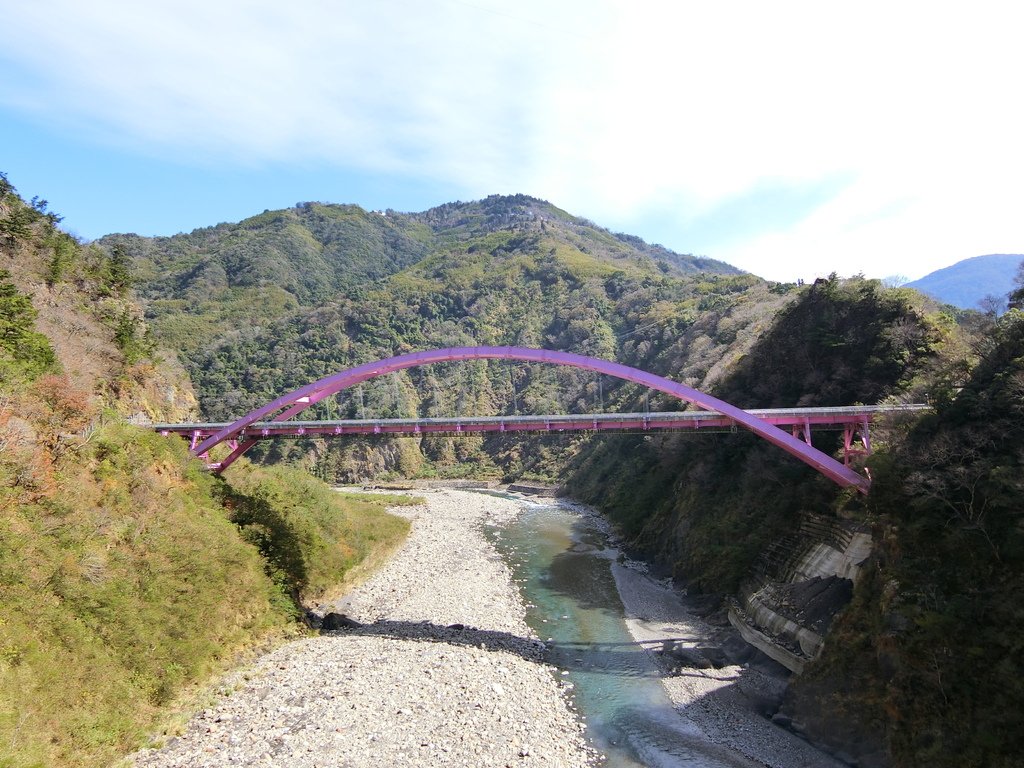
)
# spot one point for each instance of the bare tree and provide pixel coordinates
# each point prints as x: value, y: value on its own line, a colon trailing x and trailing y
x: 992, y: 305
x: 953, y: 474
x: 895, y: 281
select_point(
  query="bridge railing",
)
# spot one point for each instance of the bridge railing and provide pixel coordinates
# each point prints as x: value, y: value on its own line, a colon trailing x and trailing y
x: 820, y: 417
x: 853, y: 420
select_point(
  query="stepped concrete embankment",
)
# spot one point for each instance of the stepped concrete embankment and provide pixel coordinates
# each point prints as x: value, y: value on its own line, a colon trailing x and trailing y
x: 443, y: 670
x: 534, y: 489
x: 799, y: 585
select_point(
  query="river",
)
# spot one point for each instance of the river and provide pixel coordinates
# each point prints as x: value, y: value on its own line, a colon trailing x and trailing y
x: 562, y: 559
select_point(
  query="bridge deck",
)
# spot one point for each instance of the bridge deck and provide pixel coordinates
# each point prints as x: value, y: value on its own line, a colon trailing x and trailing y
x: 822, y: 418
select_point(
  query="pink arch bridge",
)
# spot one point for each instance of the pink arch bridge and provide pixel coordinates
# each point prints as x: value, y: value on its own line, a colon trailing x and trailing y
x: 264, y: 422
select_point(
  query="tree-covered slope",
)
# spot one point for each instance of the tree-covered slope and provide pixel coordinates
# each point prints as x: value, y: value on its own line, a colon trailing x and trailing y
x: 504, y: 288
x: 67, y: 310
x: 926, y: 665
x: 128, y: 574
x: 203, y: 285
x: 504, y: 270
x: 922, y: 668
x: 723, y: 498
x: 459, y: 222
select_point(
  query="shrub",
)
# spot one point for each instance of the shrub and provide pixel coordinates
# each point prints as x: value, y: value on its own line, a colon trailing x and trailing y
x: 310, y: 536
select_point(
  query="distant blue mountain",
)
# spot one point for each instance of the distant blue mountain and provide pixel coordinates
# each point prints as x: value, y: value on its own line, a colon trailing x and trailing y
x: 967, y: 282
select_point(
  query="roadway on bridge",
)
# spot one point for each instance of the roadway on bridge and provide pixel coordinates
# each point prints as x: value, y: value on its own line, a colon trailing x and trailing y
x: 819, y: 418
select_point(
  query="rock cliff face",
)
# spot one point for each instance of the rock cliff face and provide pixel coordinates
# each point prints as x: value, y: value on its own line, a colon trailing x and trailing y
x: 798, y: 585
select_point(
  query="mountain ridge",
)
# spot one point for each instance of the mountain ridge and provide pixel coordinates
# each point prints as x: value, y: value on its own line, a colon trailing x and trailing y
x: 208, y: 283
x: 969, y: 282
x: 372, y: 244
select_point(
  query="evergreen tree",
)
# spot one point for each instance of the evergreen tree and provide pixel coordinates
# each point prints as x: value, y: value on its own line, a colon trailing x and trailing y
x: 22, y: 349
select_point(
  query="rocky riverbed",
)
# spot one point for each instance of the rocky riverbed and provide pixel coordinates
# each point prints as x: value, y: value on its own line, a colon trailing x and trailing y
x: 444, y: 671
x: 438, y: 667
x: 715, y: 681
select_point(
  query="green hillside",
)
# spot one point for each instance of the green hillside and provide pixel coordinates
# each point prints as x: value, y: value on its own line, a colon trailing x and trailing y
x: 926, y: 663
x: 210, y: 282
x: 203, y: 284
x: 730, y: 495
x: 128, y: 574
x: 505, y: 270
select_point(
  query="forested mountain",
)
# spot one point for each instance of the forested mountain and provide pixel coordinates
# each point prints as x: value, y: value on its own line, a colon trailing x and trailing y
x: 204, y: 284
x: 505, y: 270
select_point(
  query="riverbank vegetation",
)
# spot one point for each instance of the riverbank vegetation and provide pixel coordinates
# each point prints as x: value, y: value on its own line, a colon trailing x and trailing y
x: 727, y: 497
x: 310, y: 537
x: 128, y: 574
x: 923, y: 667
x: 926, y: 663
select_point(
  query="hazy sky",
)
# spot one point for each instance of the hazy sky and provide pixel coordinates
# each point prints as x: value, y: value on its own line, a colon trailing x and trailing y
x: 790, y: 139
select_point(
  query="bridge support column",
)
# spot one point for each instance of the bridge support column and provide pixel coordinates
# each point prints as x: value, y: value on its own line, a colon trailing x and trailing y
x: 851, y: 433
x: 803, y: 431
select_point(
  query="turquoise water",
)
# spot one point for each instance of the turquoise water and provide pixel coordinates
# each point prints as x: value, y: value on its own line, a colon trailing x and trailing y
x: 561, y: 560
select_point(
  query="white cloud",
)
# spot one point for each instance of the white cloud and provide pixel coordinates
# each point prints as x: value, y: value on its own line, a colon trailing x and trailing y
x: 390, y: 83
x: 611, y: 109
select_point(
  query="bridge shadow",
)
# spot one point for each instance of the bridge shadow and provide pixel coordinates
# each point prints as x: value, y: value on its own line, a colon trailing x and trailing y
x: 641, y: 726
x: 626, y: 659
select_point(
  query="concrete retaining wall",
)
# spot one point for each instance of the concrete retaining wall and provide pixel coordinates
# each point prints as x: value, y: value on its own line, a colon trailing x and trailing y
x: 766, y: 615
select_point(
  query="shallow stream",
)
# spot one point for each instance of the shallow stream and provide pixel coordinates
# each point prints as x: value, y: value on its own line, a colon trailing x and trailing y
x: 561, y: 559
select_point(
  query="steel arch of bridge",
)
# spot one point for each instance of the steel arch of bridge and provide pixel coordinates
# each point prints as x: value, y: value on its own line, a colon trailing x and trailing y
x: 287, y: 406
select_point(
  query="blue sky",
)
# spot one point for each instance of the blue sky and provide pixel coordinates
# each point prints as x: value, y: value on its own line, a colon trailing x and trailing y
x: 792, y: 139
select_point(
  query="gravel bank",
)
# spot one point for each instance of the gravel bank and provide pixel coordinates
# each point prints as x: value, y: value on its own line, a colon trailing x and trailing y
x: 406, y: 689
x: 728, y: 705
